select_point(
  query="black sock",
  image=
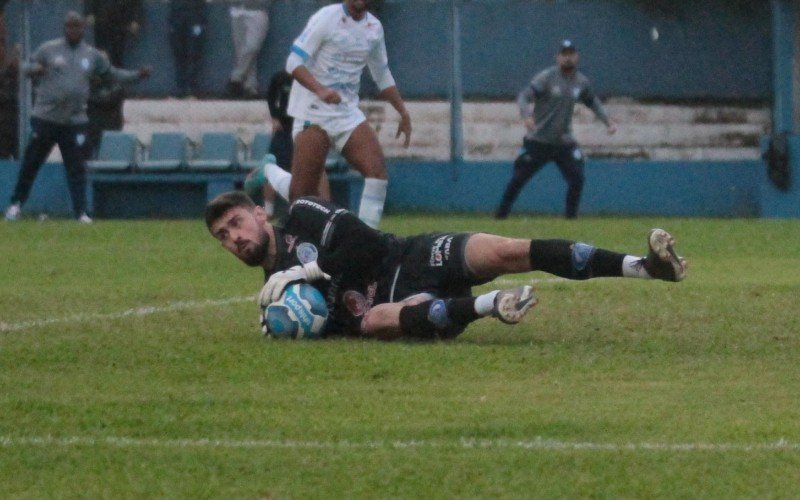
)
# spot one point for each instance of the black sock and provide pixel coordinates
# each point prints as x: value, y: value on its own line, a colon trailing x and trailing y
x: 438, y: 318
x: 574, y: 260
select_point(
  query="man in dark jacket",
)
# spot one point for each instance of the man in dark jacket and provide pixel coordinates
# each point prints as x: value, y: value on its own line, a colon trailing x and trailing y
x: 187, y: 33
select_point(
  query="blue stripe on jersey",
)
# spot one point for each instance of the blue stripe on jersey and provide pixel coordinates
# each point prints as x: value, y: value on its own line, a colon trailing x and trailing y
x: 300, y: 52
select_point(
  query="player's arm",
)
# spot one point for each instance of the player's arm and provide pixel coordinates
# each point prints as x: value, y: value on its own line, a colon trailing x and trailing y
x: 378, y: 65
x: 591, y: 101
x: 105, y: 69
x: 303, y: 48
x: 37, y: 64
x: 524, y: 103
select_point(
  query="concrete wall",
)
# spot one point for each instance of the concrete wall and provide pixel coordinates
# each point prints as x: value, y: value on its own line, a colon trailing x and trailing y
x: 703, y: 49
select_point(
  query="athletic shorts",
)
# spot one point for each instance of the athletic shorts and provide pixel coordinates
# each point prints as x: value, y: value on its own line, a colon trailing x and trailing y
x: 434, y: 263
x: 338, y: 128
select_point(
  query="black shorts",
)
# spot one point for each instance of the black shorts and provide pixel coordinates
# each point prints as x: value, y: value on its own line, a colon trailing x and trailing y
x: 433, y: 263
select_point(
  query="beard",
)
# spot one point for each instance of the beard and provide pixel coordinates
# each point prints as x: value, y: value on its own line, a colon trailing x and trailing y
x: 254, y: 254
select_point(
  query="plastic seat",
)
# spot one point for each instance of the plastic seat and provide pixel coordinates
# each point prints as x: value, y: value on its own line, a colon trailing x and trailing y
x: 218, y: 151
x: 168, y: 151
x: 258, y: 149
x: 118, y: 151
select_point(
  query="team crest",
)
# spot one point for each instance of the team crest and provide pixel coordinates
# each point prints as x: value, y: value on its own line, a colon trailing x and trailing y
x: 80, y: 139
x: 85, y: 63
x: 576, y: 92
x: 306, y: 252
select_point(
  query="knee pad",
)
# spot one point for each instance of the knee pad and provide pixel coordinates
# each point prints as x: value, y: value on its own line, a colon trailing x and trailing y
x: 581, y: 258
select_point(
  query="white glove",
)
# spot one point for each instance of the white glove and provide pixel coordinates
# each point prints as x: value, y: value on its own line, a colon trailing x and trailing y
x: 276, y: 283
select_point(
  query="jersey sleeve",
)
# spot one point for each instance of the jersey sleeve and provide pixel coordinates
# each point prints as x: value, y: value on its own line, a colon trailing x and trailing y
x: 539, y: 83
x: 350, y: 245
x: 591, y: 101
x: 378, y: 64
x: 310, y: 40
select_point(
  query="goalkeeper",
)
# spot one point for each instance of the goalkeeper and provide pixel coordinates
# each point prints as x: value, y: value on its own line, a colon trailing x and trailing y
x: 385, y: 286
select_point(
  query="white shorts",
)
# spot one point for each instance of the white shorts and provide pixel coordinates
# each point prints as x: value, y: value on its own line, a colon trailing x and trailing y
x: 338, y: 128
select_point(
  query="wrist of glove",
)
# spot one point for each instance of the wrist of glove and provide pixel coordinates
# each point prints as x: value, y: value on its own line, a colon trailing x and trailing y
x: 276, y: 283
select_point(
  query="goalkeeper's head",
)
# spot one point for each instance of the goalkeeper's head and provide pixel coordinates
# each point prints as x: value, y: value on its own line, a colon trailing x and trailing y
x: 240, y: 226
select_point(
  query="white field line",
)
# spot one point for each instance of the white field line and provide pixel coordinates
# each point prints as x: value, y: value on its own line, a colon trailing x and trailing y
x: 183, y: 305
x: 537, y: 443
x: 137, y: 311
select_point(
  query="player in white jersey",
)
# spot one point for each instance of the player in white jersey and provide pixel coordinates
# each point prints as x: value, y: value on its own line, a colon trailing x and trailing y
x: 326, y: 61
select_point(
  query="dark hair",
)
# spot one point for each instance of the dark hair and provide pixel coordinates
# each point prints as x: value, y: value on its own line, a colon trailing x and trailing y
x: 217, y: 207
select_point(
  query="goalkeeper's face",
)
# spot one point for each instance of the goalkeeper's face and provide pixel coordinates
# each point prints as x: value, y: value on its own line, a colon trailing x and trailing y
x: 243, y: 232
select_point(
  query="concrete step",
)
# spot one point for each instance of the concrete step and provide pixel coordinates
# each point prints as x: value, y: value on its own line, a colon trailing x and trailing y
x: 492, y: 130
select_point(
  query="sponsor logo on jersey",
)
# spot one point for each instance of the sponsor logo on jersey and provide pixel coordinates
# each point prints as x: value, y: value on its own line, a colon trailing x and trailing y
x: 313, y: 205
x: 440, y: 250
x: 306, y: 252
x: 357, y: 303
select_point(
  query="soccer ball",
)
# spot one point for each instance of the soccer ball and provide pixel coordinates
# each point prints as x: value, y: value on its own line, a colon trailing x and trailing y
x: 300, y: 313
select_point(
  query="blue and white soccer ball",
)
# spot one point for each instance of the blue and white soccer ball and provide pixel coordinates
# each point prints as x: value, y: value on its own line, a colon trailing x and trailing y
x: 300, y: 313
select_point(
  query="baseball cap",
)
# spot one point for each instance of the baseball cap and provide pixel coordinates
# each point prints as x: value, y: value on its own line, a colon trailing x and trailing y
x: 567, y: 46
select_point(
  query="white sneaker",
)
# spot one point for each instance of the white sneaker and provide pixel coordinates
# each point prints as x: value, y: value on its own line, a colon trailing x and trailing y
x: 510, y: 306
x: 85, y: 219
x: 13, y: 212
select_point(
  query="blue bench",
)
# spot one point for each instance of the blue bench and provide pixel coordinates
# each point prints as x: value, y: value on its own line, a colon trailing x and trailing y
x: 183, y: 194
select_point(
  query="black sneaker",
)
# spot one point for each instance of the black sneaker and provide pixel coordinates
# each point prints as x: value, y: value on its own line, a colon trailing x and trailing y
x: 662, y: 262
x: 510, y: 306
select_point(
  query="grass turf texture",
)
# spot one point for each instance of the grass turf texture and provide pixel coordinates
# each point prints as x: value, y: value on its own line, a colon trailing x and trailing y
x: 609, y: 388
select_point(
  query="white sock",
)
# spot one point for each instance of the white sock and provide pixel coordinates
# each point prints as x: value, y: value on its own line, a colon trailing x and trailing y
x: 632, y: 267
x: 372, y: 199
x: 279, y: 179
x: 484, y: 304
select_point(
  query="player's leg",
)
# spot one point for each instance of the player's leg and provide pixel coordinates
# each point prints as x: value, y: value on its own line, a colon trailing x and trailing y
x: 488, y: 256
x: 308, y: 162
x: 425, y: 318
x: 40, y: 144
x: 570, y: 162
x: 74, y: 149
x: 532, y: 158
x: 363, y: 151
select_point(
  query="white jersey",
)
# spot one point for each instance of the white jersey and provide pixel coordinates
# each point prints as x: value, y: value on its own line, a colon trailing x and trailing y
x: 335, y: 48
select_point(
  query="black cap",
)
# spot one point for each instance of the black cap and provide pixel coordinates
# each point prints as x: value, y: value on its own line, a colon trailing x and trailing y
x: 567, y: 46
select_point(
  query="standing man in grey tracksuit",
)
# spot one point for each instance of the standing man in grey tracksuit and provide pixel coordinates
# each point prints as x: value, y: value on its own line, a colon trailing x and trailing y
x: 63, y: 69
x: 554, y: 93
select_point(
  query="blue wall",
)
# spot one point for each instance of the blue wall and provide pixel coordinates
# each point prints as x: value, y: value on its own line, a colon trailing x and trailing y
x: 675, y: 188
x: 704, y: 49
x: 732, y: 188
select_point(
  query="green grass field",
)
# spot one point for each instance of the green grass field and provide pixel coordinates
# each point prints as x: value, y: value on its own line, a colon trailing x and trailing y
x: 131, y: 365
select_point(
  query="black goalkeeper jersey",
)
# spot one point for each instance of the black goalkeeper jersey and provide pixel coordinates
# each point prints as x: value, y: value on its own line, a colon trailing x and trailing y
x: 360, y: 260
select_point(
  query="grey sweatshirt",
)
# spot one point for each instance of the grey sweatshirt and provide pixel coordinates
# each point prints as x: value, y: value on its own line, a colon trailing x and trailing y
x: 554, y: 97
x: 63, y: 90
